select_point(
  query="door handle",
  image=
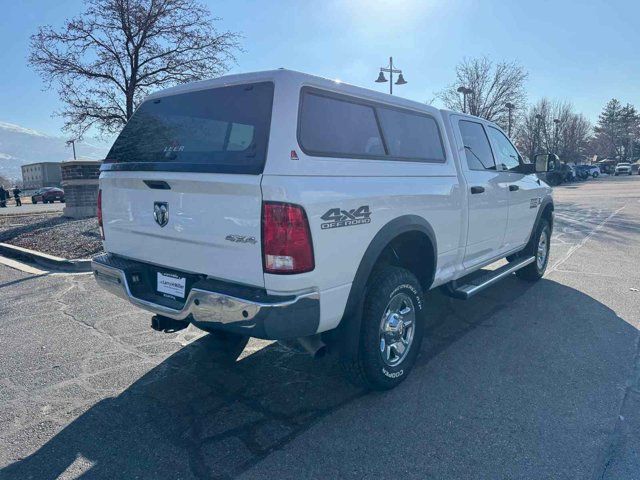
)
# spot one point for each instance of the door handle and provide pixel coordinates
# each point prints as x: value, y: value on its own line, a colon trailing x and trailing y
x: 475, y: 190
x: 513, y: 188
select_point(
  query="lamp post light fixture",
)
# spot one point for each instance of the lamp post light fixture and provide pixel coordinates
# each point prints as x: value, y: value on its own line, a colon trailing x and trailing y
x: 464, y: 91
x: 510, y: 106
x: 390, y: 70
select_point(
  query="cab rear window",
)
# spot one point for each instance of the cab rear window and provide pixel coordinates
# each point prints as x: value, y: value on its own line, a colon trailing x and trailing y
x: 223, y: 130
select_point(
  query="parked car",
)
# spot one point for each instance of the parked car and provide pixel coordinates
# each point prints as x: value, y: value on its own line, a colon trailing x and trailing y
x: 362, y: 202
x: 568, y: 172
x: 48, y: 195
x: 623, y: 168
x: 582, y: 171
x: 594, y: 171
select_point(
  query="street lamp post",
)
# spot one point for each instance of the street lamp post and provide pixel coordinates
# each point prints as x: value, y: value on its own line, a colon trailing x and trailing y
x: 537, y: 135
x: 464, y: 91
x: 510, y: 106
x: 72, y: 142
x: 390, y: 70
x: 556, y: 123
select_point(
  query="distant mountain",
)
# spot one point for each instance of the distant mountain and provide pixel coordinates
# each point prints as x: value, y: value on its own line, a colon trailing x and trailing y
x: 20, y: 145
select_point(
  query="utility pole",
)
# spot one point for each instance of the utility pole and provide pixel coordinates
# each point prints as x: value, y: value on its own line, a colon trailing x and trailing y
x: 390, y: 70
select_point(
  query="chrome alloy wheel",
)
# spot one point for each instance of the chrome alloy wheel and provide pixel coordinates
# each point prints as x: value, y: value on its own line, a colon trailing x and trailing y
x: 396, y: 329
x: 543, y: 249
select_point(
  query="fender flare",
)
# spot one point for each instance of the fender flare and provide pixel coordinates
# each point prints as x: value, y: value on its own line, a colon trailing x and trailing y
x: 349, y: 328
x: 546, y: 203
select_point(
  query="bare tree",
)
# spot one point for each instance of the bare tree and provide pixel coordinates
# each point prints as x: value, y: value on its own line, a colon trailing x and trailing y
x: 554, y: 127
x: 117, y: 51
x: 491, y: 86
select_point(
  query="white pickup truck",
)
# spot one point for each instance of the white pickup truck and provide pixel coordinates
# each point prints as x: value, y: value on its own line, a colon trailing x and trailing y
x: 281, y: 205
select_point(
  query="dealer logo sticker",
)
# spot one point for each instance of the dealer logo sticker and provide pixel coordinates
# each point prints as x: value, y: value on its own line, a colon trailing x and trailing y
x: 336, y: 217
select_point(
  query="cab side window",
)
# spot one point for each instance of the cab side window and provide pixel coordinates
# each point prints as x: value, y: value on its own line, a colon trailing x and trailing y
x: 506, y: 154
x: 476, y: 146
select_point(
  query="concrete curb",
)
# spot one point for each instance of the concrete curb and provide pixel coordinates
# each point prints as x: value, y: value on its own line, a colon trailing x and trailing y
x: 29, y: 214
x: 45, y: 260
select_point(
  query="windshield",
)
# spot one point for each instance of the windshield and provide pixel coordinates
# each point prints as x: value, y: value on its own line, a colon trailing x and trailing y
x: 217, y: 130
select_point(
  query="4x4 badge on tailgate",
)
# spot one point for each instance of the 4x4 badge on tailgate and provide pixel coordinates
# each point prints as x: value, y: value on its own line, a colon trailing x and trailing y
x: 161, y: 213
x: 336, y: 217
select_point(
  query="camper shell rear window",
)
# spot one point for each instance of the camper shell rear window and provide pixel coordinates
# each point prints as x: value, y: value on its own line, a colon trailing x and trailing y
x: 217, y: 130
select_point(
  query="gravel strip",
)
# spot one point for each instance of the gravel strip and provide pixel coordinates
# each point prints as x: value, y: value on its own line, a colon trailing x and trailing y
x: 53, y: 234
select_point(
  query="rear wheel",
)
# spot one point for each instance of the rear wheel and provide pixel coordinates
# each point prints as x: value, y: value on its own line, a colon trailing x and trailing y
x: 391, y: 331
x: 541, y: 244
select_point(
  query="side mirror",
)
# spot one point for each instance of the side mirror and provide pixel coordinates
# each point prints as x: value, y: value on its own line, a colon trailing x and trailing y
x: 546, y: 162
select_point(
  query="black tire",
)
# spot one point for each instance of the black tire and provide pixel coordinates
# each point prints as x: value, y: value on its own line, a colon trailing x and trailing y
x: 369, y: 370
x: 34, y: 202
x: 595, y: 174
x: 534, y: 271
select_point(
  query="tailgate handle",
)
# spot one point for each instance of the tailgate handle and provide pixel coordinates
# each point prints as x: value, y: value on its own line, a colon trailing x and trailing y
x: 157, y: 184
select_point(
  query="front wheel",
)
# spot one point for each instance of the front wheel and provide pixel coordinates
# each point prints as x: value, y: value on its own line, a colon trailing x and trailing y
x: 541, y: 245
x: 595, y: 175
x: 391, y: 331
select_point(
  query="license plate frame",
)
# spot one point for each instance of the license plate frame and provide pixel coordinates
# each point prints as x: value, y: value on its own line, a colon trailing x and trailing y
x: 171, y: 284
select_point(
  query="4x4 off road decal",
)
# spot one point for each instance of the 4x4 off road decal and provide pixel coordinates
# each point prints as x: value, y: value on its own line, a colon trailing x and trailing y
x: 336, y: 217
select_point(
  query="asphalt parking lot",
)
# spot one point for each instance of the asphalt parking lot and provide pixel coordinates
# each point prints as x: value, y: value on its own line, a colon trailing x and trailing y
x: 523, y: 381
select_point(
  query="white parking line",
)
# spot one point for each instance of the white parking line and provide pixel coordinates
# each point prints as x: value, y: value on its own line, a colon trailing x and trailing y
x: 583, y: 241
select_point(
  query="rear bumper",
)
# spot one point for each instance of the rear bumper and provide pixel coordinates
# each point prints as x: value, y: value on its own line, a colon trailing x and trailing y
x: 216, y: 305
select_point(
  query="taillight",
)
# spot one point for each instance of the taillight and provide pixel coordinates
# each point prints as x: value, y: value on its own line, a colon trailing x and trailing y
x: 99, y: 214
x: 286, y: 239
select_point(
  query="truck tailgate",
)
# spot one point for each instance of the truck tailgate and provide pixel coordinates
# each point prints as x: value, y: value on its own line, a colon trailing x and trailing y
x: 212, y: 222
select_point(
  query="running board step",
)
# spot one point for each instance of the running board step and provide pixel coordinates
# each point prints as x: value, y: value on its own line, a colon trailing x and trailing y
x: 478, y: 284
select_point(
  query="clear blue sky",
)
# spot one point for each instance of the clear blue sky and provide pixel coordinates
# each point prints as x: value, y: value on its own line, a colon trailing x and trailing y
x: 585, y: 52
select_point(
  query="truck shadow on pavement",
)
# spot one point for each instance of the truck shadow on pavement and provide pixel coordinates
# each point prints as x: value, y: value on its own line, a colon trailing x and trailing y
x: 194, y: 417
